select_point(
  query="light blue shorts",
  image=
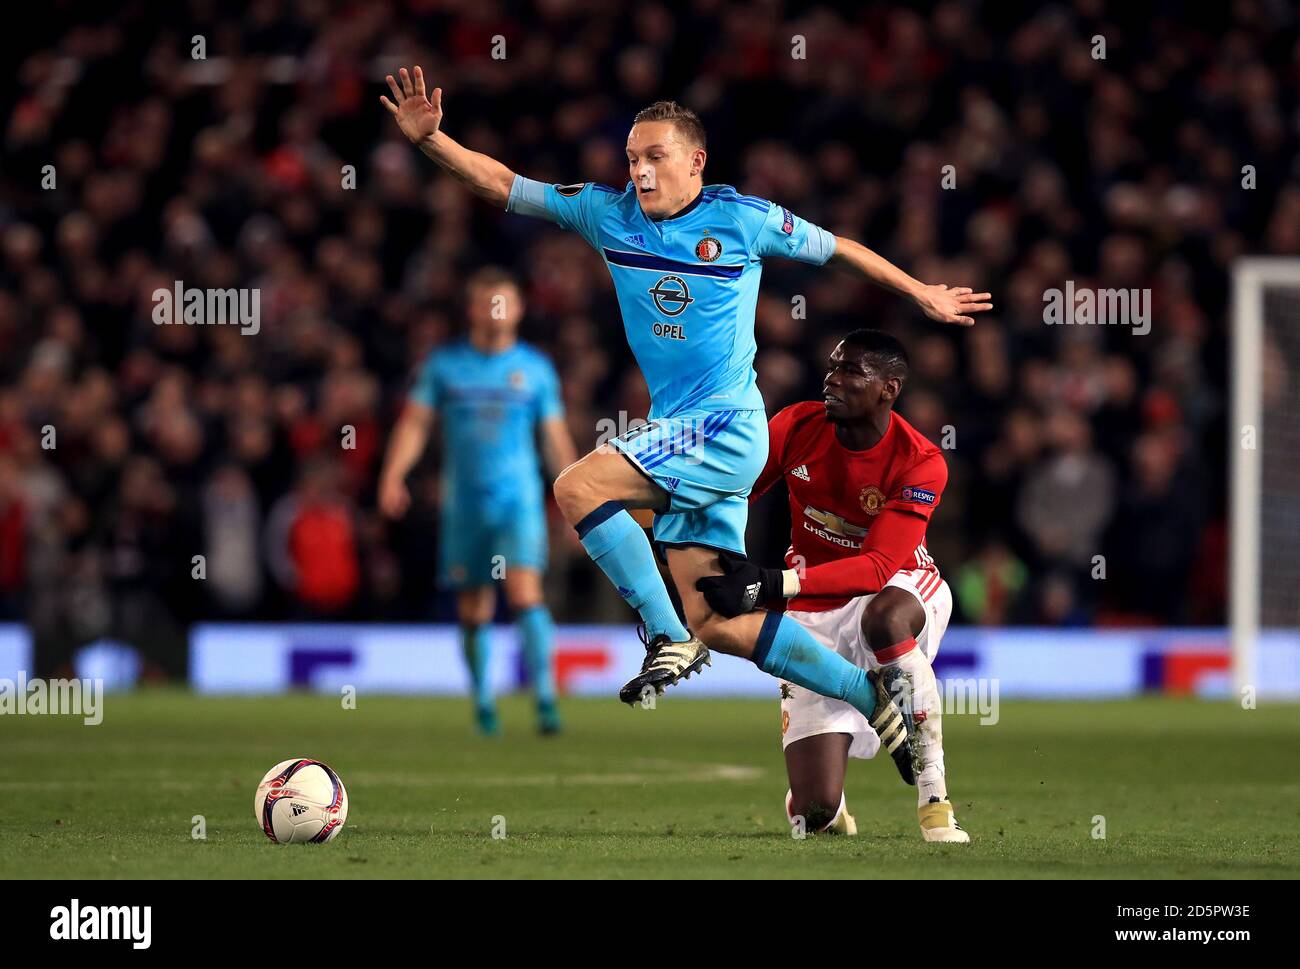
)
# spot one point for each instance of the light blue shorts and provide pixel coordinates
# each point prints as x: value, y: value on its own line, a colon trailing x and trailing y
x: 477, y: 546
x: 707, y: 461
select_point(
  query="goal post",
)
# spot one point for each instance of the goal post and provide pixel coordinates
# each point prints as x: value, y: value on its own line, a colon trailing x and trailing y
x: 1264, y: 467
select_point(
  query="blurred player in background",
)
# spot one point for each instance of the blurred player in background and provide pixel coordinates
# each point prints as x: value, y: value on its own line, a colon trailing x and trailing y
x: 495, y: 397
x: 863, y: 484
x: 686, y: 260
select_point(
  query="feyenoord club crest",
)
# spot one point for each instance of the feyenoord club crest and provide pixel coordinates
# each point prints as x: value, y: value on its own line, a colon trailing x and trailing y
x: 872, y: 499
x: 708, y: 249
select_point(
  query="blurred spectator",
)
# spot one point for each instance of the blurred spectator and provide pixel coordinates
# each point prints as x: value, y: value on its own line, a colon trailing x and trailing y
x: 1067, y: 500
x: 13, y: 541
x: 231, y: 523
x: 989, y: 586
x: 311, y: 542
x: 1155, y: 535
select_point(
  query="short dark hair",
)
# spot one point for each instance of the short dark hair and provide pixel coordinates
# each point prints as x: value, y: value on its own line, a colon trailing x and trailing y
x: 686, y: 121
x: 887, y: 353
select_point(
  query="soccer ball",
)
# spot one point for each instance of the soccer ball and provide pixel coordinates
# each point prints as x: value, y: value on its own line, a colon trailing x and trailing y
x: 301, y: 801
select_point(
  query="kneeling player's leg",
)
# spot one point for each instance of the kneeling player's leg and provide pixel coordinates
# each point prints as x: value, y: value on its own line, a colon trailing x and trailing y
x: 816, y: 767
x: 901, y: 630
x: 474, y: 607
x: 594, y: 495
x: 774, y: 642
x: 891, y: 623
x: 537, y: 634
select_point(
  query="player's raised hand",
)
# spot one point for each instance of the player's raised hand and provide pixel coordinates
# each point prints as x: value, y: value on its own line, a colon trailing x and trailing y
x: 952, y: 304
x: 416, y: 114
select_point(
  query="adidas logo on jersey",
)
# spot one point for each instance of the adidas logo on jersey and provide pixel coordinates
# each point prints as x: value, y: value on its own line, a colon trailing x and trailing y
x: 636, y: 240
x: 801, y: 473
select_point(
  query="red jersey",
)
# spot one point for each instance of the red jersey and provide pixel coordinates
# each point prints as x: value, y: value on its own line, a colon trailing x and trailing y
x: 857, y: 517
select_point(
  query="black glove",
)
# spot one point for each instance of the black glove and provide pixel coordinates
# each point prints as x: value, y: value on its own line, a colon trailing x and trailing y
x: 742, y: 586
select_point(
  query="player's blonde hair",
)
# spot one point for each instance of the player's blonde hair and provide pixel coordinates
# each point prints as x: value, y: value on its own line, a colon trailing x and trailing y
x: 686, y: 121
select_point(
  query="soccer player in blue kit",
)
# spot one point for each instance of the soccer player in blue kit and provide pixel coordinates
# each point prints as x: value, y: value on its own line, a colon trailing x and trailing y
x: 685, y: 259
x: 494, y: 398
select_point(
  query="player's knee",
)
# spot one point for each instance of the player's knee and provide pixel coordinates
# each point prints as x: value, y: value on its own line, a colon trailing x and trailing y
x: 472, y: 619
x: 571, y: 492
x: 884, y: 626
x: 522, y: 600
x: 817, y: 807
x: 475, y: 610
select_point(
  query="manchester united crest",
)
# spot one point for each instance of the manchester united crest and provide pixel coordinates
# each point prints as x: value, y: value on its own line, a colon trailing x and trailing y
x: 872, y: 499
x: 708, y: 249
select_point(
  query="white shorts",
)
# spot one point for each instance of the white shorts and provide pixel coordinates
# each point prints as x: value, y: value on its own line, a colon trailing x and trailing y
x: 807, y: 714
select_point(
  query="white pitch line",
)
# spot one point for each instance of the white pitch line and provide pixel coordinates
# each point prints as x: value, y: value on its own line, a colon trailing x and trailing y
x: 685, y: 774
x: 705, y: 772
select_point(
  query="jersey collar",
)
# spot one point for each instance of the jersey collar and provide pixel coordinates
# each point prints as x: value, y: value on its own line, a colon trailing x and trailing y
x: 691, y: 206
x: 889, y: 429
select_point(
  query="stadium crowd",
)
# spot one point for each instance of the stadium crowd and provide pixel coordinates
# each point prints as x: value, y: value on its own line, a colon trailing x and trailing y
x: 128, y: 447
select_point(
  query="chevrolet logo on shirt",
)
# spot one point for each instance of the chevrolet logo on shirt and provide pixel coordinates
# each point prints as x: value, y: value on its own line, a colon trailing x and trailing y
x: 833, y: 528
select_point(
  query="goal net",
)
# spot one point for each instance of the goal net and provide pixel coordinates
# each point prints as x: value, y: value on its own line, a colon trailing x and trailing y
x: 1264, y: 595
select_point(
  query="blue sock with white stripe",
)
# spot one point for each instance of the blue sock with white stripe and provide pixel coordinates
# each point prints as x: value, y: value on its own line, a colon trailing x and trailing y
x: 789, y: 652
x: 617, y: 544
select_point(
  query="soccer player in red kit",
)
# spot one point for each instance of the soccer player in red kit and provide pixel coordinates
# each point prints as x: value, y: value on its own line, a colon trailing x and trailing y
x: 863, y: 483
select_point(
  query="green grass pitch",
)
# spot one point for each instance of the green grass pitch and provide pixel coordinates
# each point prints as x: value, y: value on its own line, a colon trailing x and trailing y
x: 693, y: 788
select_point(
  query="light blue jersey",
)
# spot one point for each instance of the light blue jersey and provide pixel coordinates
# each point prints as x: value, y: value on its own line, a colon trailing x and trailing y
x: 687, y: 286
x: 490, y: 407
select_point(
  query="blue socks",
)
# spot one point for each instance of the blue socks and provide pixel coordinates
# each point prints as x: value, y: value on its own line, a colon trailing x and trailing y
x: 785, y: 649
x: 537, y: 633
x: 616, y: 543
x: 788, y: 651
x: 475, y: 643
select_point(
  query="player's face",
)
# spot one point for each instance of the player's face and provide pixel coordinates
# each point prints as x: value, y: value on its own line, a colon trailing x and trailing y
x: 665, y: 169
x: 494, y: 311
x: 853, y: 390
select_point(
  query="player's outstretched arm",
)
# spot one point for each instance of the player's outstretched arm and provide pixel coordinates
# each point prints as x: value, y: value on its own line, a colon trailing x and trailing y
x: 744, y: 586
x: 420, y: 120
x: 939, y: 302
